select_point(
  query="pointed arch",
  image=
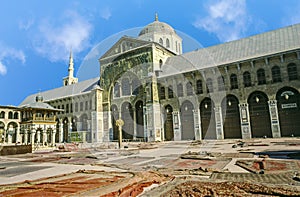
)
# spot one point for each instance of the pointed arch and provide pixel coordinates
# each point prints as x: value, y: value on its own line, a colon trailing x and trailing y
x: 66, y: 130
x: 168, y: 124
x: 114, y: 117
x: 276, y: 74
x: 139, y: 119
x: 259, y: 114
x: 261, y: 76
x: 208, y: 122
x: 187, y: 121
x: 127, y: 117
x: 288, y: 105
x: 231, y: 116
x: 292, y: 71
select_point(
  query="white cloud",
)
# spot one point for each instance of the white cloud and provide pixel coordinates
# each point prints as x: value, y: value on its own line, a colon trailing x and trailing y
x: 3, y: 69
x: 55, y: 41
x: 105, y: 13
x: 8, y: 53
x: 227, y: 19
x: 25, y: 25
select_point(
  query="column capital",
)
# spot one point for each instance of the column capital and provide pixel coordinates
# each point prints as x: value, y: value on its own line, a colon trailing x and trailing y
x: 242, y: 105
x: 272, y: 102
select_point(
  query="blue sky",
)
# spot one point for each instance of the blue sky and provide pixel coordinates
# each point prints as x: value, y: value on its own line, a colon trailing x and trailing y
x: 36, y: 36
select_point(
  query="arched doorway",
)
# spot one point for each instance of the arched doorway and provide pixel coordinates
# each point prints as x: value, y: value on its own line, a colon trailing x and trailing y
x: 114, y: 118
x: 57, y: 131
x: 127, y: 116
x: 288, y: 101
x: 259, y: 115
x: 65, y: 130
x: 12, y: 131
x: 139, y: 120
x: 74, y: 123
x: 208, y: 121
x: 2, y: 132
x: 231, y: 116
x: 168, y: 125
x: 187, y: 121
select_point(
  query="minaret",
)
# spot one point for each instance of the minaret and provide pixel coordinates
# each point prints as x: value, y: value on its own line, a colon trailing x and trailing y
x: 70, y: 79
x: 71, y: 65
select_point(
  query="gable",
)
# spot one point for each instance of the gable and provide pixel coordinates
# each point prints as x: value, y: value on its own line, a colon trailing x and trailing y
x: 124, y: 44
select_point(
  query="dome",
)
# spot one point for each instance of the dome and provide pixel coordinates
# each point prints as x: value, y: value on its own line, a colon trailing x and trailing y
x: 157, y: 27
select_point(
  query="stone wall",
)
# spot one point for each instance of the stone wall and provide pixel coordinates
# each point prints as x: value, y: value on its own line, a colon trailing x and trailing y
x: 15, y: 149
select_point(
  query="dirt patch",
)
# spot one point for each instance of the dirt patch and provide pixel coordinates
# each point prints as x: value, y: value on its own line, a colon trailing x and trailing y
x: 269, y: 165
x: 87, y: 183
x: 197, y: 188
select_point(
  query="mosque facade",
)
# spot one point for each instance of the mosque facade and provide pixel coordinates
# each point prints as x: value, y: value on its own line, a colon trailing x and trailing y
x: 248, y: 88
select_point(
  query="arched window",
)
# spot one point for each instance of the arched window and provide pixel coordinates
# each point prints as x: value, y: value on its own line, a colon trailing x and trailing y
x: 292, y: 71
x: 2, y: 114
x: 261, y: 77
x: 170, y: 92
x: 67, y: 108
x: 58, y: 107
x: 179, y: 90
x: 189, y: 89
x: 117, y: 90
x: 161, y: 41
x: 76, y: 107
x: 81, y: 106
x: 233, y: 81
x: 160, y: 64
x: 135, y: 86
x: 125, y: 87
x: 167, y: 43
x: 16, y: 115
x: 10, y: 115
x: 247, y: 79
x: 63, y: 108
x: 86, y: 105
x: 209, y: 85
x: 162, y: 93
x: 276, y: 76
x: 221, y: 85
x: 199, y: 86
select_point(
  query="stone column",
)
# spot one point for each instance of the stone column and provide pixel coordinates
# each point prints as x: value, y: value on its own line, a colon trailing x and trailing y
x: 25, y: 136
x: 197, y: 124
x: 134, y: 123
x: 274, y: 118
x: 219, y: 123
x: 245, y: 121
x: 18, y: 135
x: 45, y: 137
x: 61, y: 132
x: 38, y: 136
x: 176, y: 125
x: 32, y: 135
x: 145, y: 123
x: 53, y: 136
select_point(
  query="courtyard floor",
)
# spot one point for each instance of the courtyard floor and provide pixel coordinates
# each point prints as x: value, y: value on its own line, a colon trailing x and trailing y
x: 188, y: 168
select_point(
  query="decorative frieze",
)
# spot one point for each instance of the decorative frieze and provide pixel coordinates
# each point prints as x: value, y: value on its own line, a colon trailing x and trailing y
x: 274, y: 118
x: 245, y: 121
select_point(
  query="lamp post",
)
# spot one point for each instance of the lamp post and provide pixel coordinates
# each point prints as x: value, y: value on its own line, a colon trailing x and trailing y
x: 119, y: 124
